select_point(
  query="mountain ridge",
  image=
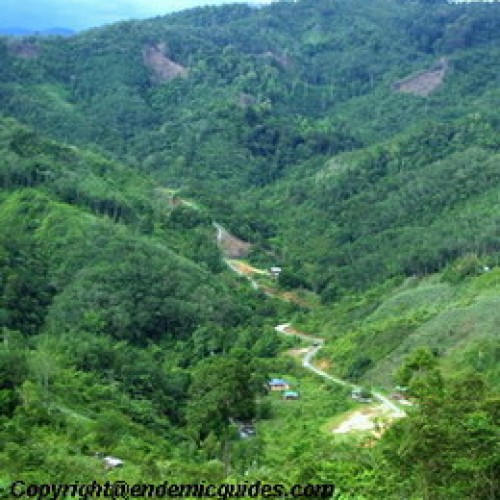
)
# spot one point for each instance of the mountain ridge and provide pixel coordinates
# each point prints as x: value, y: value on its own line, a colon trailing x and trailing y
x: 19, y: 31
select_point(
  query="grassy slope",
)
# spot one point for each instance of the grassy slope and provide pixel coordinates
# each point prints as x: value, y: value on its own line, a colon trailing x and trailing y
x: 459, y: 321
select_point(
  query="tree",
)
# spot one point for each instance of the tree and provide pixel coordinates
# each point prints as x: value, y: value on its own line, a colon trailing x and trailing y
x: 222, y: 389
x: 421, y: 374
x: 13, y: 369
x: 447, y: 447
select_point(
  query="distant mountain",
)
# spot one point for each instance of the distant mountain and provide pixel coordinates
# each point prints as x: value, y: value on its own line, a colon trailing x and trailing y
x: 16, y: 31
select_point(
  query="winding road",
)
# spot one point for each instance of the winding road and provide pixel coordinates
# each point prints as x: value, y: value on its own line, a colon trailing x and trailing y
x: 317, y: 344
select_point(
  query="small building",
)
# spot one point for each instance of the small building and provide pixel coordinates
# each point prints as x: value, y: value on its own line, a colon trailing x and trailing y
x: 278, y: 384
x: 361, y: 395
x: 290, y: 395
x: 246, y: 431
x: 275, y: 272
x: 112, y: 463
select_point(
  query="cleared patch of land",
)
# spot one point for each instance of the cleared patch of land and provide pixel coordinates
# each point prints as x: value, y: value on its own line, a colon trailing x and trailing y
x: 247, y: 269
x: 164, y: 69
x: 373, y: 418
x: 425, y: 82
x: 24, y: 49
x: 231, y: 246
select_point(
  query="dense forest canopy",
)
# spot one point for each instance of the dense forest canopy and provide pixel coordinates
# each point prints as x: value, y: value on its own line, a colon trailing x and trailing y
x: 353, y: 144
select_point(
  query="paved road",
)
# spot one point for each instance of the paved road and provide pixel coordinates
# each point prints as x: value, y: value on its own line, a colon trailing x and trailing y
x: 318, y: 344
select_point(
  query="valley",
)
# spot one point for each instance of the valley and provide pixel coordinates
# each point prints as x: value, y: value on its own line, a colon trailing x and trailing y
x: 245, y: 244
x: 368, y: 419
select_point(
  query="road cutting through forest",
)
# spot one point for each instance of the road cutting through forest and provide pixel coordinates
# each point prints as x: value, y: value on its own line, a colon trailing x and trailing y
x: 373, y: 418
x: 370, y: 418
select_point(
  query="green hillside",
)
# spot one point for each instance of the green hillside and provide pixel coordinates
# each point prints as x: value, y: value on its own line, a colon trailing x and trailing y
x: 265, y: 88
x: 455, y: 314
x: 108, y: 297
x: 354, y: 144
x: 403, y: 207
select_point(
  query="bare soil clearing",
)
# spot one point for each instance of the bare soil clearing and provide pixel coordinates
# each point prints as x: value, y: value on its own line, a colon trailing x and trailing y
x: 231, y: 246
x: 24, y: 49
x: 372, y: 418
x: 164, y: 69
x: 323, y: 364
x: 247, y: 269
x: 423, y: 83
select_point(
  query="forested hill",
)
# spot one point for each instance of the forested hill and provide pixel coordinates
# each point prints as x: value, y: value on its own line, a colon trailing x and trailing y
x: 90, y: 246
x: 226, y: 101
x: 238, y: 95
x: 110, y: 294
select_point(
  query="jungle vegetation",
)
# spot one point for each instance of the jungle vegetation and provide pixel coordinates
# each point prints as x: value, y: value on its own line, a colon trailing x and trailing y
x: 123, y: 332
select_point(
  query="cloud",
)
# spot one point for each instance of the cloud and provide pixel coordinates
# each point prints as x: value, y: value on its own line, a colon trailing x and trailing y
x: 80, y: 14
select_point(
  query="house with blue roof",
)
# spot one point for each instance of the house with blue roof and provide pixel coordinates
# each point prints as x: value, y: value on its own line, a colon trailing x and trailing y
x: 278, y: 384
x: 290, y: 395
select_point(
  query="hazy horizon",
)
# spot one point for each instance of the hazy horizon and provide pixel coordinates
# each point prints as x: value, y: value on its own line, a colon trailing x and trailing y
x: 40, y: 15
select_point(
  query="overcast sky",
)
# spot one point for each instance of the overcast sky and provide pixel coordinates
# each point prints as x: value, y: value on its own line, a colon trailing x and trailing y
x: 80, y: 14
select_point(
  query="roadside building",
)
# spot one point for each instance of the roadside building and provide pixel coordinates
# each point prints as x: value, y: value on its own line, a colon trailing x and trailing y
x: 275, y: 272
x: 290, y: 395
x: 112, y: 463
x: 278, y: 384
